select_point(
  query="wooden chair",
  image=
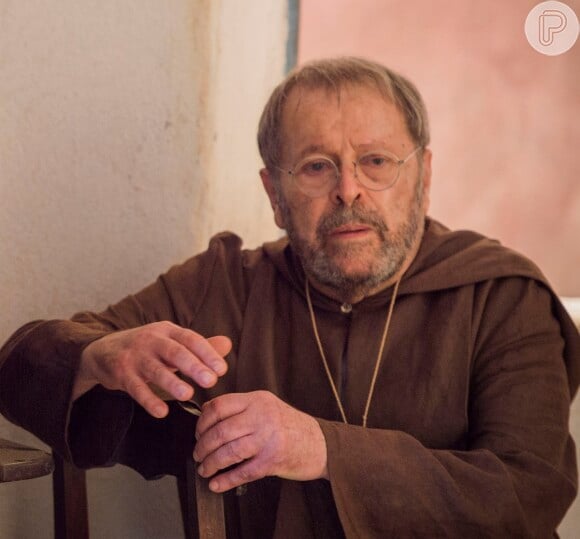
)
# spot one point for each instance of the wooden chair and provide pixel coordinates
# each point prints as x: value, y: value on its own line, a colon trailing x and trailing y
x: 202, y: 510
x: 71, y: 521
x: 19, y: 462
x: 69, y: 490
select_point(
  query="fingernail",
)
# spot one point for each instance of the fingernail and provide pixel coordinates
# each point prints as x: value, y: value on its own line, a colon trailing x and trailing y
x: 206, y: 378
x: 181, y: 391
x: 159, y: 411
x: 214, y: 485
x: 200, y: 470
x: 220, y: 368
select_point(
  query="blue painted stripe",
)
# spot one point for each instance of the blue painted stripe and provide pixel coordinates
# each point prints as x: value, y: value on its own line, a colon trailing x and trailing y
x: 292, y: 41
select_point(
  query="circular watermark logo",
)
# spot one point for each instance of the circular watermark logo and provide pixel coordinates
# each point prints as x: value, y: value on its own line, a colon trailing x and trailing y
x: 552, y: 28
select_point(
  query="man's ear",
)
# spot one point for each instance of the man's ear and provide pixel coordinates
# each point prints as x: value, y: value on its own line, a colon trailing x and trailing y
x: 268, y: 183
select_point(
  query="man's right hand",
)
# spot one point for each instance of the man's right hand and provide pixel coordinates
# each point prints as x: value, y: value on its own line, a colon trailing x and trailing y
x: 130, y: 360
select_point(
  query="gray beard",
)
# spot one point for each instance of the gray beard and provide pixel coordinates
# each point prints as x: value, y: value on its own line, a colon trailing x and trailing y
x: 318, y: 261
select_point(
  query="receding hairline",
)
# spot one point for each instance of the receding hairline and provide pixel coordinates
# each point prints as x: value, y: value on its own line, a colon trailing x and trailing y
x: 334, y: 75
x: 294, y: 97
x: 337, y: 90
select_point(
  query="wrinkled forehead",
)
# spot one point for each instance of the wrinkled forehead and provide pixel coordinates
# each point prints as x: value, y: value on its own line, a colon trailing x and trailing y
x: 315, y: 115
x: 310, y: 103
x: 305, y: 92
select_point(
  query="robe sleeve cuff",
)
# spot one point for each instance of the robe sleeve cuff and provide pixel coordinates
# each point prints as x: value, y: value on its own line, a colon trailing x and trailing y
x: 38, y: 374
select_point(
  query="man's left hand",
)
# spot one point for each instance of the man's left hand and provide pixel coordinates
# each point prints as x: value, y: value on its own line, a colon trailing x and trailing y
x: 257, y: 435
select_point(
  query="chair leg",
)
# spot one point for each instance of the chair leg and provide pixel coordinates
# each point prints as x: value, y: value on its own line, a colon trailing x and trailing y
x: 69, y: 489
x: 202, y: 510
x: 186, y: 490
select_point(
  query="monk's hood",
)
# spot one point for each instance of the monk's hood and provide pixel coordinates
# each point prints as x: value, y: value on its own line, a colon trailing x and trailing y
x: 446, y: 259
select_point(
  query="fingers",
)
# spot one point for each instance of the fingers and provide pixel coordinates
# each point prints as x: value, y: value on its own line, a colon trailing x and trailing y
x: 221, y: 344
x: 223, y: 433
x: 143, y: 394
x: 250, y: 470
x: 207, y: 363
x: 242, y: 437
x: 220, y: 409
x: 156, y: 353
x: 227, y: 436
x: 181, y: 349
x: 136, y: 359
x: 234, y: 452
x: 228, y: 443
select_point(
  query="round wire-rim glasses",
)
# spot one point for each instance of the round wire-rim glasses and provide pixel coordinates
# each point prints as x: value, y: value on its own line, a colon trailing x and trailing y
x: 317, y: 175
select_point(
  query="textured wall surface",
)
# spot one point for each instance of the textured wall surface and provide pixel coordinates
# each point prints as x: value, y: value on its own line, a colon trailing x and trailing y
x: 127, y: 138
x: 504, y: 120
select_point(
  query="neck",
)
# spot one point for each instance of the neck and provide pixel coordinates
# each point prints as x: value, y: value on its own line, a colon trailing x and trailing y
x: 351, y: 296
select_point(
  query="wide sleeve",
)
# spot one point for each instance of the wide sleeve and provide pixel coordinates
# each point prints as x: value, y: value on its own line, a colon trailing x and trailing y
x: 38, y: 364
x: 516, y: 475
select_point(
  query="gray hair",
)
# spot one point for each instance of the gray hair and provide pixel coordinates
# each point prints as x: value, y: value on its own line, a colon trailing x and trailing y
x: 333, y: 74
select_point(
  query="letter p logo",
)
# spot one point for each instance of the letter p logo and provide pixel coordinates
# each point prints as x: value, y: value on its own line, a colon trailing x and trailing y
x: 551, y: 22
x: 552, y: 28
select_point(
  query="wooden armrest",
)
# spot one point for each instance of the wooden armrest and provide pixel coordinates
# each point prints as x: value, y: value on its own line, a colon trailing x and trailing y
x: 19, y: 462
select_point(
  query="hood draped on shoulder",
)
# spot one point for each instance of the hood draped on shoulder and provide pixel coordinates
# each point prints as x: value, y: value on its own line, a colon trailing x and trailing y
x: 448, y: 259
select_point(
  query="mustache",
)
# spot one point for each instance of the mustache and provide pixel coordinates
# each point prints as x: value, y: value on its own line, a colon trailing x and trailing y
x: 352, y: 215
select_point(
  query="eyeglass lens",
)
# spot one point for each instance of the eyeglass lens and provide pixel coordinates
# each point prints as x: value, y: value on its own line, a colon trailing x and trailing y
x: 319, y: 175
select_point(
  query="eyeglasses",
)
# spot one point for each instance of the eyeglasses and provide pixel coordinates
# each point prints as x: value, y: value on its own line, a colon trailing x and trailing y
x: 317, y: 175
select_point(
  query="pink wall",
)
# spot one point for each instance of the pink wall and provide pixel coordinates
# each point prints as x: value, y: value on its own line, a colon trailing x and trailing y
x: 505, y: 119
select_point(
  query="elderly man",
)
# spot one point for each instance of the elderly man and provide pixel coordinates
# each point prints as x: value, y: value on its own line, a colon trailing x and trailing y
x: 371, y: 375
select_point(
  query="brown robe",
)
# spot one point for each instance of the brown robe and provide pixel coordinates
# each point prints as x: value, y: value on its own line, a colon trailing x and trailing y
x: 468, y: 429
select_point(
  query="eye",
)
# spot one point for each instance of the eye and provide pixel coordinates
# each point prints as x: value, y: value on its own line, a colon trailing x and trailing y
x: 315, y: 167
x: 376, y: 160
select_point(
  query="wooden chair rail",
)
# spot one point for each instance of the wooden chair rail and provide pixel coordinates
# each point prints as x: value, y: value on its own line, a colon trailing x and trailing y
x: 202, y: 510
x: 19, y: 462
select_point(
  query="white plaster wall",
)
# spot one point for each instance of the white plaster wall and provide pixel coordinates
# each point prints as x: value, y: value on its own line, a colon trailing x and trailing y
x: 127, y: 138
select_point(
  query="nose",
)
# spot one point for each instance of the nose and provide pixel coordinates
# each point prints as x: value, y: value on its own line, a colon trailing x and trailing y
x: 347, y: 189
